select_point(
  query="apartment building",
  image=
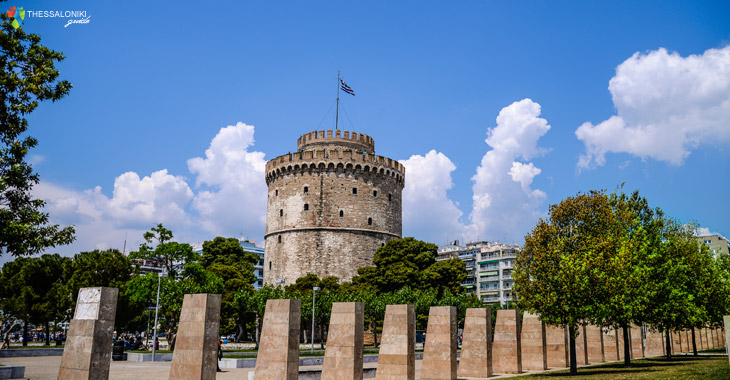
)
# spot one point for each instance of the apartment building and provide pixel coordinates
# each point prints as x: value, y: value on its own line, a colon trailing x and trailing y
x: 489, y: 268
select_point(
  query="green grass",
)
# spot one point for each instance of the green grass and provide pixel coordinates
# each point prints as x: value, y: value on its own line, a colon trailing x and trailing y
x: 680, y: 368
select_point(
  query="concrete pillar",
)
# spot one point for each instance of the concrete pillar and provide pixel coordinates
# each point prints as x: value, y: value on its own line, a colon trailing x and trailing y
x: 278, y: 357
x: 439, y: 353
x: 637, y: 343
x: 88, y: 350
x: 397, y: 357
x: 343, y: 356
x: 610, y: 345
x: 581, y: 356
x: 594, y: 344
x: 507, y: 348
x: 476, y: 346
x: 556, y: 339
x: 654, y: 343
x: 196, y: 345
x: 534, y: 345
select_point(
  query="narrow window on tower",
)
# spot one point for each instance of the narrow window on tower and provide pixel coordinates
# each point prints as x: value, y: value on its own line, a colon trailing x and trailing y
x: 276, y: 192
x: 279, y: 238
x: 306, y: 207
x: 390, y: 197
x: 342, y: 213
x: 375, y: 193
x: 370, y: 221
x: 269, y: 264
x: 281, y: 212
x: 306, y: 189
x: 354, y: 190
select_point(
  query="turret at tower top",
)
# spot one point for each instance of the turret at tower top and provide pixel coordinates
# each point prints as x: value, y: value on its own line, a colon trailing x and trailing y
x: 329, y: 140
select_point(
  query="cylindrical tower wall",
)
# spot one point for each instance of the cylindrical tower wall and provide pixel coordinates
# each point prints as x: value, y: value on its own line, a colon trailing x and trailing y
x: 328, y: 212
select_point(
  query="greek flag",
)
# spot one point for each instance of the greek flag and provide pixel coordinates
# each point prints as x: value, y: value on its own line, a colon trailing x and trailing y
x: 346, y: 88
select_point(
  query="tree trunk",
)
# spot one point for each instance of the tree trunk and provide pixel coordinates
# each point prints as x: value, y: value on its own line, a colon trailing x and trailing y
x: 669, y: 345
x: 258, y: 332
x: 694, y: 344
x: 48, y: 335
x: 571, y: 340
x: 25, y: 333
x: 627, y: 345
x: 241, y: 331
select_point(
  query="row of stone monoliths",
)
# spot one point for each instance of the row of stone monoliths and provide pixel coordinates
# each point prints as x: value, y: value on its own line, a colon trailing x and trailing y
x: 532, y: 346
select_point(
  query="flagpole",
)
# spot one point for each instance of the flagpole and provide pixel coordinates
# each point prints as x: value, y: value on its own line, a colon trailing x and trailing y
x: 337, y: 111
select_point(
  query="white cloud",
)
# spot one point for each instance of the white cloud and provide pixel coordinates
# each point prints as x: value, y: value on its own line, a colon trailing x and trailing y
x: 234, y: 196
x: 667, y: 106
x: 427, y: 210
x: 505, y: 206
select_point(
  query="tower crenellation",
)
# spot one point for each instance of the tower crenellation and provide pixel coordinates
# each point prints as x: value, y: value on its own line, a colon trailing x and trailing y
x: 330, y: 205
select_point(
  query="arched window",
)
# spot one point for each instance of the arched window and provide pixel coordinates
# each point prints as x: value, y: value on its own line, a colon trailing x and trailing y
x: 306, y: 207
x: 370, y: 221
x: 390, y: 197
x: 342, y: 213
x: 269, y: 264
x: 281, y: 212
x: 279, y: 238
x: 306, y: 189
x: 375, y: 193
x: 276, y: 192
x: 354, y: 190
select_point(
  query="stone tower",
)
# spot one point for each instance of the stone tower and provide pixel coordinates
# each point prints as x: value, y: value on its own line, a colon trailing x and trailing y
x: 330, y: 206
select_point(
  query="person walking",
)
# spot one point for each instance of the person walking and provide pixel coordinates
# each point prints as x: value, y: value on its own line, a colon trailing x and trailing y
x: 220, y: 357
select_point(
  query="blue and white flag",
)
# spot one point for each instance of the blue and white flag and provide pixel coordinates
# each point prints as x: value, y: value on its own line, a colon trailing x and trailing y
x: 346, y: 88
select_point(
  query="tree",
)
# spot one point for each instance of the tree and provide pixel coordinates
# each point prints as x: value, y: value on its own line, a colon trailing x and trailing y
x: 167, y: 253
x: 226, y: 259
x: 28, y: 77
x: 109, y: 268
x: 264, y: 294
x: 557, y: 274
x: 411, y: 262
x: 34, y: 290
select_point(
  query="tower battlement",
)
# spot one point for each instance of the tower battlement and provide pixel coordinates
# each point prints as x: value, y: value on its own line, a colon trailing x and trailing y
x: 359, y: 142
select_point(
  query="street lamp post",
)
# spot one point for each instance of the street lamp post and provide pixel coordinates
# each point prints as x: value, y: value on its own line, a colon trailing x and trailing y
x: 157, y: 310
x: 314, y: 296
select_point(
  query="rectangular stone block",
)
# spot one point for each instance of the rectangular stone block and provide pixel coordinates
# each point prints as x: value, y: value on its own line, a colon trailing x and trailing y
x: 556, y: 339
x: 439, y: 353
x: 621, y: 343
x: 637, y: 342
x: 476, y: 345
x: 654, y: 343
x: 594, y: 344
x: 581, y: 356
x: 610, y: 344
x: 397, y: 357
x: 507, y: 348
x: 534, y: 345
x: 88, y: 349
x: 196, y: 346
x: 278, y: 357
x: 343, y: 356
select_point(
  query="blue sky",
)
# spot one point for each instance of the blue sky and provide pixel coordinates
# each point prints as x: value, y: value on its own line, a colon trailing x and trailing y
x: 176, y: 106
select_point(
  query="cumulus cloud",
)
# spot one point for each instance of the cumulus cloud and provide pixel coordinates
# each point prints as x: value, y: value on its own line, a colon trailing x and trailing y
x: 667, y: 106
x: 232, y: 195
x: 427, y: 210
x: 505, y: 206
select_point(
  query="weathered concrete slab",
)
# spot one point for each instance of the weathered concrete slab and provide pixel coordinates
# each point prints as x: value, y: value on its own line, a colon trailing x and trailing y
x: 594, y: 344
x: 88, y: 350
x: 654, y: 343
x: 196, y: 346
x: 507, y: 348
x: 439, y: 353
x: 397, y: 359
x: 556, y: 339
x: 581, y: 356
x: 534, y: 344
x: 637, y: 342
x: 476, y: 346
x: 278, y: 357
x: 343, y: 357
x: 610, y: 344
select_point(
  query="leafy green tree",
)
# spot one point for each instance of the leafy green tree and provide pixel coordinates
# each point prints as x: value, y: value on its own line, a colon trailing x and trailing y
x: 245, y: 306
x: 411, y: 262
x: 109, y: 268
x: 260, y: 297
x: 226, y: 259
x: 167, y: 253
x: 35, y: 290
x: 558, y: 273
x: 28, y: 77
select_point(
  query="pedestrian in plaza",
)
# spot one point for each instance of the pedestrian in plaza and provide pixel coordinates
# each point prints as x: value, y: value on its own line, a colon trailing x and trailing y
x: 220, y: 357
